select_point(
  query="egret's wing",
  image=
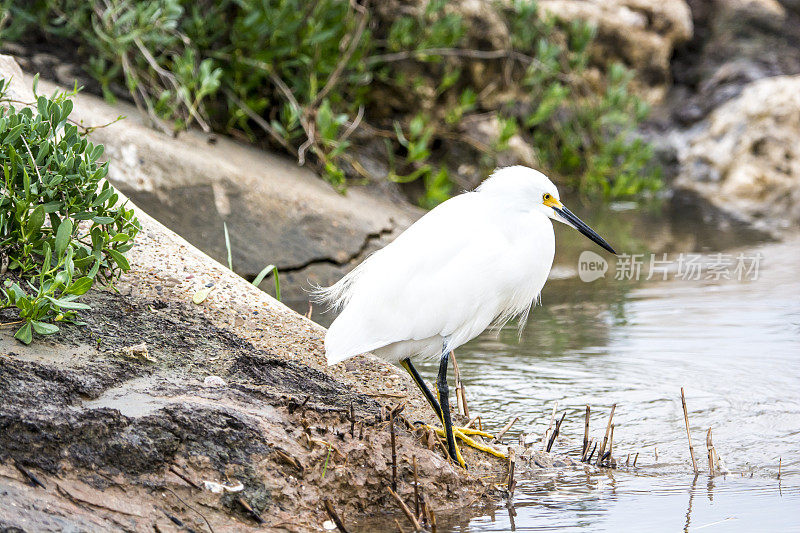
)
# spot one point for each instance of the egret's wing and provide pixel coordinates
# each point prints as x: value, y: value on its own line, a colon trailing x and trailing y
x: 443, y: 276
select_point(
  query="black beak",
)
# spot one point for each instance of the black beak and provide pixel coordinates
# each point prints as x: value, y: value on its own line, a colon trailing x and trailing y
x: 579, y: 225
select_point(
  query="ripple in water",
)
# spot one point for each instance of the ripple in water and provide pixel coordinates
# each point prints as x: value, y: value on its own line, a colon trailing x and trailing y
x: 734, y: 346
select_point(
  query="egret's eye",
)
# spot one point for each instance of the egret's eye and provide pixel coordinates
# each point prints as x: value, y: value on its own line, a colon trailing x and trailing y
x: 546, y: 196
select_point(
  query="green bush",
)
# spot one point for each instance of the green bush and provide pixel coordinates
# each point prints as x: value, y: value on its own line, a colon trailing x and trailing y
x: 61, y: 227
x: 340, y: 84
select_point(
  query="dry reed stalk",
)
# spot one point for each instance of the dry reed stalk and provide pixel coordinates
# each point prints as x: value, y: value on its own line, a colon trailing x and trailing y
x: 585, y: 434
x: 545, y: 438
x: 334, y: 515
x: 443, y: 446
x: 505, y: 429
x: 589, y: 459
x: 710, y: 448
x: 512, y: 461
x: 252, y: 512
x: 416, y: 485
x: 688, y: 434
x: 394, y: 450
x: 430, y: 440
x: 431, y: 516
x: 556, y: 430
x: 461, y: 398
x: 588, y: 447
x: 406, y: 510
x: 605, y: 438
x: 635, y: 459
x: 611, y: 444
x: 285, y: 457
x: 399, y: 529
x: 174, y: 470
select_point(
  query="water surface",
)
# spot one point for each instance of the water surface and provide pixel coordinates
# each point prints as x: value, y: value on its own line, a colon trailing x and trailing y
x: 734, y: 345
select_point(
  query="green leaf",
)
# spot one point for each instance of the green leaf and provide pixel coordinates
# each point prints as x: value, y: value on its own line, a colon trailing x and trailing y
x: 35, y: 222
x: 24, y: 334
x: 66, y: 304
x: 63, y: 236
x: 43, y: 328
x: 46, y: 261
x: 80, y: 286
x: 41, y: 105
x: 228, y: 245
x: 26, y: 183
x: 120, y: 260
x: 263, y: 274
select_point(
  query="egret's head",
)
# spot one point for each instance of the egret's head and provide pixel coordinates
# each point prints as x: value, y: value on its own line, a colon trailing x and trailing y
x: 532, y: 190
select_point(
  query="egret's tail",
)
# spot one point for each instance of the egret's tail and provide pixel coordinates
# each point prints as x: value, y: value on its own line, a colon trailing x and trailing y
x: 339, y: 341
x: 346, y: 336
x: 337, y: 295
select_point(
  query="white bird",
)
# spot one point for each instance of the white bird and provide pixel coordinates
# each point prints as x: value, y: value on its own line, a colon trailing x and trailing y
x: 478, y: 259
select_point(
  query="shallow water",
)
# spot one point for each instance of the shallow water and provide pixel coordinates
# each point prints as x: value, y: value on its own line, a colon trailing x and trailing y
x: 734, y: 345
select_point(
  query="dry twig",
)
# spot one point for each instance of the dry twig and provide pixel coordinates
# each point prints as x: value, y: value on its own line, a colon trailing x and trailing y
x: 505, y: 429
x: 605, y: 438
x: 688, y: 434
x: 461, y: 397
x: 555, y: 433
x: 585, y: 434
x: 406, y: 510
x: 334, y: 515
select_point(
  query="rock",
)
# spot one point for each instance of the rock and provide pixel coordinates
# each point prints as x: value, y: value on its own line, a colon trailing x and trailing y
x: 214, y: 381
x: 747, y: 159
x: 640, y: 33
x: 735, y: 43
x: 723, y: 158
x: 276, y: 212
x: 138, y: 352
x: 19, y: 87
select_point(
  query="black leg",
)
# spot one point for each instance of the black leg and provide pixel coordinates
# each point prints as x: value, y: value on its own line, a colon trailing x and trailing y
x: 406, y: 363
x: 444, y: 398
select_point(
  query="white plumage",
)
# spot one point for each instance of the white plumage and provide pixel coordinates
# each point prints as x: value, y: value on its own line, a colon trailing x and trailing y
x: 478, y: 258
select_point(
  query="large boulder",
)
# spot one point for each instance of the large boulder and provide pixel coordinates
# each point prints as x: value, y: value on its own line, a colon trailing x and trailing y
x: 747, y: 159
x: 276, y: 212
x: 735, y: 43
x: 640, y: 33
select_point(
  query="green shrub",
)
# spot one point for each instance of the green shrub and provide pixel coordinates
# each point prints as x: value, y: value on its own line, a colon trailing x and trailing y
x: 61, y: 227
x: 338, y: 84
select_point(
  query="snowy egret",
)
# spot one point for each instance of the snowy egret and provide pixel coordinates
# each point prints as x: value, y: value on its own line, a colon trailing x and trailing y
x: 478, y: 259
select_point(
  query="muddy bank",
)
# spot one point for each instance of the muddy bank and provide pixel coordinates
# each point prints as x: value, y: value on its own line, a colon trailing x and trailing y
x: 118, y: 437
x: 123, y: 419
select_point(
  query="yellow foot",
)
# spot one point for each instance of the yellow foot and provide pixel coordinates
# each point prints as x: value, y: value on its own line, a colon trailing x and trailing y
x: 463, y: 434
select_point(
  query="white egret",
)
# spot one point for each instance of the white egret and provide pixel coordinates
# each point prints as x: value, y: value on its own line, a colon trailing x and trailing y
x: 478, y: 259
